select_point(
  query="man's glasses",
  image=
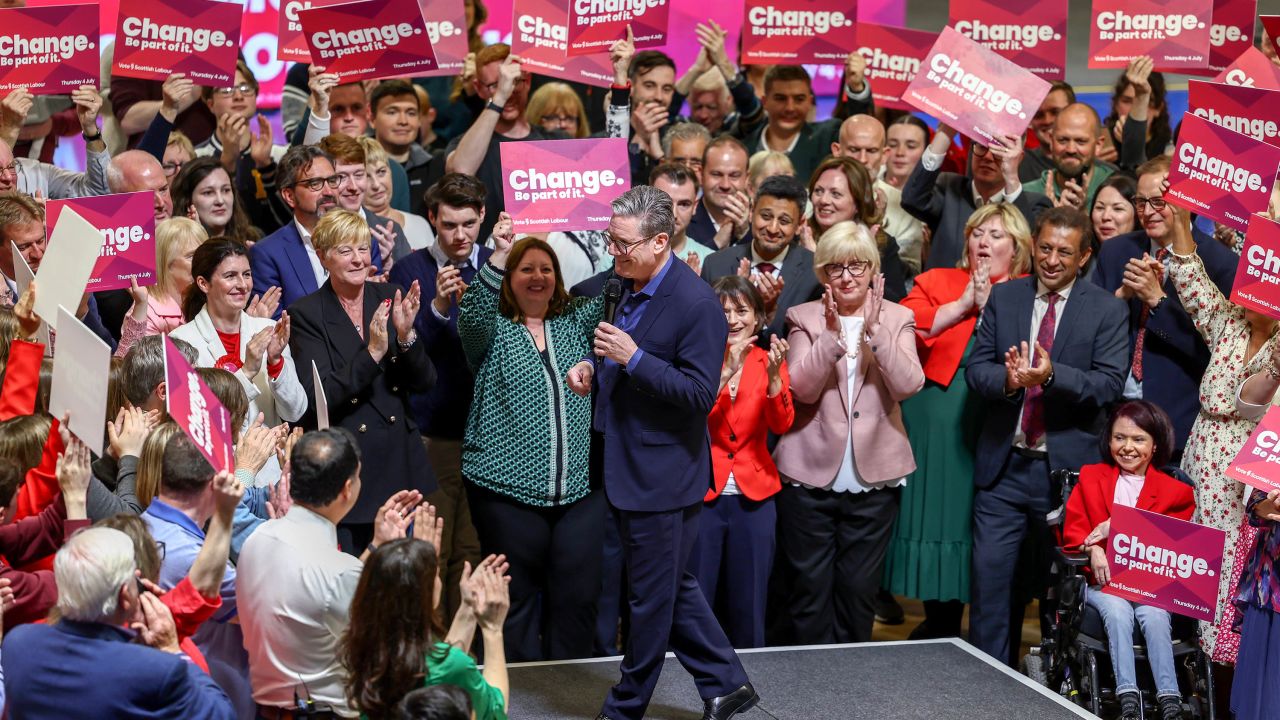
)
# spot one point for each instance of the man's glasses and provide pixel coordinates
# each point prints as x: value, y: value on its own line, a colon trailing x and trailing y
x: 854, y: 269
x: 979, y: 150
x: 243, y: 88
x: 10, y: 169
x: 317, y: 184
x: 624, y: 248
x: 1156, y: 204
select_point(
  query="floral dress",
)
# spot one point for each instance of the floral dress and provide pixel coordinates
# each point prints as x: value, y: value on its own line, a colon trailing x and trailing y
x: 1218, y: 434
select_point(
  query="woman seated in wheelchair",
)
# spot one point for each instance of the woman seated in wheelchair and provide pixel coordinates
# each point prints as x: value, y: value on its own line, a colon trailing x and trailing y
x: 1138, y: 441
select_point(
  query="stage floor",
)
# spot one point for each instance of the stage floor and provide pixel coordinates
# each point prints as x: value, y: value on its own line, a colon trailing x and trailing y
x: 936, y: 679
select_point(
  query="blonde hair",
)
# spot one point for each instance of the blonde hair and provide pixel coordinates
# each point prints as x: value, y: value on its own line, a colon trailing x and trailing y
x: 179, y: 138
x: 846, y: 241
x: 557, y: 97
x: 151, y: 461
x: 1014, y: 224
x: 766, y: 164
x: 171, y: 236
x: 373, y: 151
x: 340, y: 227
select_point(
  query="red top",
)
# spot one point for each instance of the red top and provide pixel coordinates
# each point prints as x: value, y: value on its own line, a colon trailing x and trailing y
x: 941, y: 354
x: 190, y: 610
x: 231, y: 362
x: 24, y: 541
x: 18, y: 397
x: 740, y: 429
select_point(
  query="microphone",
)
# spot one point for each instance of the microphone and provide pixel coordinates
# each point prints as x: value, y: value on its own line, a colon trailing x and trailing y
x: 612, y: 296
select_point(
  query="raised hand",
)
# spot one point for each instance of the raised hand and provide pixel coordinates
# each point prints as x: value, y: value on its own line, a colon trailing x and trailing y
x: 981, y: 283
x: 256, y: 446
x: 508, y: 74
x: 385, y: 236
x: 449, y: 289
x: 504, y: 235
x: 260, y: 145
x: 855, y: 71
x: 25, y: 312
x: 429, y: 526
x: 1014, y: 364
x: 178, y: 92
x: 735, y: 354
x: 873, y: 306
x: 15, y: 106
x: 73, y: 472
x: 712, y: 38
x: 493, y: 599
x: 254, y: 351
x: 404, y: 311
x: 377, y: 336
x: 278, y: 340
x: 156, y: 629
x: 770, y: 289
x: 1031, y: 375
x: 394, y: 516
x: 227, y: 492
x: 266, y: 304
x: 88, y: 104
x: 321, y: 84
x: 807, y: 241
x: 620, y: 54
x: 127, y: 433
x: 829, y: 311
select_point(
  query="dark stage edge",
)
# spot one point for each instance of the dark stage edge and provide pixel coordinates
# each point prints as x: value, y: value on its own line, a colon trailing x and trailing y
x: 924, y: 679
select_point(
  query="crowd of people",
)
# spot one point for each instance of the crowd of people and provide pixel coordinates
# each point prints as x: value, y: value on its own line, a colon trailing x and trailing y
x: 812, y: 364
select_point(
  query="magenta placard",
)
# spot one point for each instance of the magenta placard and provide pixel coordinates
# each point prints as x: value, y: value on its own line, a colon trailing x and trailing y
x: 1271, y: 25
x: 974, y: 90
x: 595, y: 25
x: 49, y: 50
x: 128, y: 225
x: 1164, y: 562
x: 157, y: 38
x: 894, y: 56
x: 1230, y: 34
x: 1032, y: 34
x: 446, y: 22
x: 369, y: 40
x: 540, y: 36
x: 1221, y: 174
x: 1258, y: 462
x: 1173, y: 33
x: 292, y: 43
x: 197, y: 410
x: 564, y: 184
x: 1251, y: 69
x: 1257, y: 283
x: 796, y: 32
x: 1252, y: 111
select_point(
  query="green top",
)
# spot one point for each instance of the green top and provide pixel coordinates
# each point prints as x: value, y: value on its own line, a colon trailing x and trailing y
x: 1101, y: 171
x: 527, y: 435
x: 447, y: 665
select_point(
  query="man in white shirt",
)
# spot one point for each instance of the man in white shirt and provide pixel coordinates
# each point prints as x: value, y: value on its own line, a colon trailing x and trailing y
x: 294, y: 586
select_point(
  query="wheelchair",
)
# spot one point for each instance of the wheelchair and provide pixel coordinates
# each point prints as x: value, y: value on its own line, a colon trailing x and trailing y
x: 1073, y: 656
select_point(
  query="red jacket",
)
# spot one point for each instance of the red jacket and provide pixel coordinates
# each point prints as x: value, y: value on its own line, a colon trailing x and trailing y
x: 18, y: 397
x: 1091, y: 500
x: 26, y: 540
x: 739, y: 430
x: 941, y: 354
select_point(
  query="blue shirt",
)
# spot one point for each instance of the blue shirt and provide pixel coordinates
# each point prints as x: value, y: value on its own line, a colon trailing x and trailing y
x: 630, y: 311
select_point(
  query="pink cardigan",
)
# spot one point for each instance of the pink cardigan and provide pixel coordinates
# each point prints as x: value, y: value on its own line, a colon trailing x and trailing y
x: 889, y: 373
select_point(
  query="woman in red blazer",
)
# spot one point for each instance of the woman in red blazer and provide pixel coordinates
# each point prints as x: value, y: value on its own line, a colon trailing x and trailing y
x: 735, y: 545
x: 1139, y: 440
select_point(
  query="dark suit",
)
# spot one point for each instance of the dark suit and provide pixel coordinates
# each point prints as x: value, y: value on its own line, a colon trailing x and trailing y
x: 800, y: 285
x: 944, y: 202
x: 95, y: 670
x: 652, y: 423
x: 812, y: 147
x: 1014, y: 493
x: 1174, y: 355
x: 280, y: 260
x: 369, y: 399
x: 702, y: 228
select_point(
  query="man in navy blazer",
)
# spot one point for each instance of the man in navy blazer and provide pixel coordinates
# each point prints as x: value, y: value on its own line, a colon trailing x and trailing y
x: 1167, y: 367
x: 88, y: 664
x: 285, y: 258
x: 1043, y: 411
x: 656, y: 379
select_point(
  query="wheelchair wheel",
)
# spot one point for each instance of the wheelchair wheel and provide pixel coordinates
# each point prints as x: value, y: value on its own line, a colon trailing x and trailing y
x: 1033, y: 667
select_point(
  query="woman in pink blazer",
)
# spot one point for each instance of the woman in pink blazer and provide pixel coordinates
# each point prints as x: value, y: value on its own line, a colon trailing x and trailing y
x: 853, y: 361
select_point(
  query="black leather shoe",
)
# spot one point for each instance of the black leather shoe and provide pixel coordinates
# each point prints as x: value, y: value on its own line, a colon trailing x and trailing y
x: 602, y: 716
x: 726, y: 706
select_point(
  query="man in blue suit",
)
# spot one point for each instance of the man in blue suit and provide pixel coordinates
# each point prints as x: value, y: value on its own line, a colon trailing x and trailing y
x: 1049, y: 357
x: 657, y: 379
x: 1167, y: 355
x: 88, y: 664
x: 285, y: 258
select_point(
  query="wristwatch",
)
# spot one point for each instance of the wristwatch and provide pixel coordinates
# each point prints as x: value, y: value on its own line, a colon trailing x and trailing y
x: 90, y: 138
x: 491, y: 105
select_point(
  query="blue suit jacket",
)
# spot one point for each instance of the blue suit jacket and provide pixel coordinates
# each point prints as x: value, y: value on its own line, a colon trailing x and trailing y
x: 280, y: 260
x: 1174, y: 356
x: 657, y: 455
x: 1089, y: 367
x: 92, y: 670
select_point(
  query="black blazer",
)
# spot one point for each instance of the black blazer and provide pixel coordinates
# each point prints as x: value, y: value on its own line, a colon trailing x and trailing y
x: 1089, y: 356
x: 800, y: 285
x: 369, y: 399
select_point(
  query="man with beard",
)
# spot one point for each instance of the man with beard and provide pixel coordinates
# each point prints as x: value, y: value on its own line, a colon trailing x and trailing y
x: 1036, y: 160
x: 1077, y: 173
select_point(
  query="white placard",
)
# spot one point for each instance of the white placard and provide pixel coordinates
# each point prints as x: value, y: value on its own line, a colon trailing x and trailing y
x: 80, y: 379
x: 322, y: 403
x: 67, y: 265
x: 22, y: 277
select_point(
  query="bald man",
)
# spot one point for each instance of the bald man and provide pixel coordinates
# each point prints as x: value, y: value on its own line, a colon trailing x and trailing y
x: 863, y: 138
x: 1073, y: 147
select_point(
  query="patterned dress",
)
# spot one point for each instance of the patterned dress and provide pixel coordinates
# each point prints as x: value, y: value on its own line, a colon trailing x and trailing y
x: 1218, y: 434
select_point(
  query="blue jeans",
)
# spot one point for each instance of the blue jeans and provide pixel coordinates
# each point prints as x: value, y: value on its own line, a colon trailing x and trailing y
x: 1118, y: 615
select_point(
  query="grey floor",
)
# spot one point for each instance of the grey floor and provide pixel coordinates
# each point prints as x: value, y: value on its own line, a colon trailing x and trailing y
x: 936, y: 679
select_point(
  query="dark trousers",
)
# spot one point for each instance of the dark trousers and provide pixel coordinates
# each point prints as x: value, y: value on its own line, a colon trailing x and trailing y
x: 1010, y: 537
x: 555, y: 571
x: 668, y: 610
x: 834, y: 545
x: 732, y: 560
x: 611, y: 606
x: 460, y: 543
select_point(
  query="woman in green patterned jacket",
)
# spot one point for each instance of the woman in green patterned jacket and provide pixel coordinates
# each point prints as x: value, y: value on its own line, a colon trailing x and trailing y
x: 527, y: 442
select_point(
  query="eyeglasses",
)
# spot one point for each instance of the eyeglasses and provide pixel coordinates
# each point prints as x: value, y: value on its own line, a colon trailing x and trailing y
x: 243, y: 88
x: 980, y: 150
x: 624, y: 248
x: 854, y: 269
x: 10, y: 169
x: 1156, y: 204
x: 560, y: 120
x: 317, y: 184
x: 170, y: 168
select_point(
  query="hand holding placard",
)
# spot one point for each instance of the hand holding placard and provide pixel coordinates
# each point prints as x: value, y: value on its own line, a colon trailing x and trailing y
x: 194, y: 407
x: 73, y: 249
x: 1164, y: 562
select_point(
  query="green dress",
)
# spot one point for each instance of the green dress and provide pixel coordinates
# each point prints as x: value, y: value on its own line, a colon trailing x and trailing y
x: 929, y: 558
x: 447, y: 665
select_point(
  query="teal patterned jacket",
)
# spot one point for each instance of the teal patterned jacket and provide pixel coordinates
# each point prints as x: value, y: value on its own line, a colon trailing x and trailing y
x: 528, y: 435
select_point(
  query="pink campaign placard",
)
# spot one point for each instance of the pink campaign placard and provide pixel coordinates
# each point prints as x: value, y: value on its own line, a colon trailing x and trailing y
x: 1251, y: 69
x: 975, y: 91
x: 540, y: 36
x: 1032, y: 34
x: 798, y: 32
x: 292, y: 43
x: 1173, y: 33
x: 49, y: 50
x: 595, y: 25
x: 1221, y: 174
x: 1164, y: 562
x: 1230, y: 34
x: 1257, y: 283
x: 157, y: 38
x: 128, y: 225
x: 1258, y: 462
x: 564, y: 184
x: 369, y: 40
x: 1252, y: 111
x: 1271, y: 25
x: 446, y: 22
x: 197, y: 410
x: 894, y: 56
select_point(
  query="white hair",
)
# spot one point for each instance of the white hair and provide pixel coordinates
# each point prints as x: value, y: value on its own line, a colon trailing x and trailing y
x: 90, y: 569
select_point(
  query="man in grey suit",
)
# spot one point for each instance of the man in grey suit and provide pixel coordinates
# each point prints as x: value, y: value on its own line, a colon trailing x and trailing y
x: 780, y: 269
